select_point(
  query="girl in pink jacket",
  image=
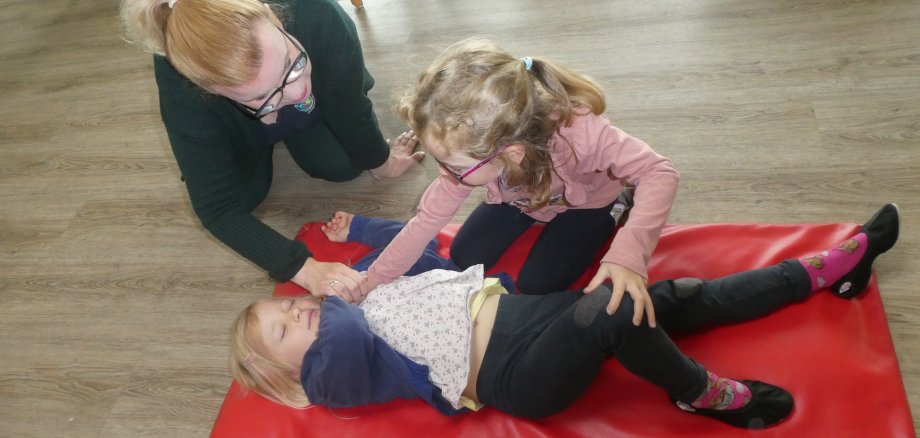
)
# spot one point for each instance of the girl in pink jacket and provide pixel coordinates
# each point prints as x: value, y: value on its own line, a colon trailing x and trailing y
x: 534, y: 135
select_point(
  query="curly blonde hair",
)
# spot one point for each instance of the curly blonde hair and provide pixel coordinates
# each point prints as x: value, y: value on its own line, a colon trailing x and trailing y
x: 256, y: 369
x: 210, y: 42
x: 476, y: 97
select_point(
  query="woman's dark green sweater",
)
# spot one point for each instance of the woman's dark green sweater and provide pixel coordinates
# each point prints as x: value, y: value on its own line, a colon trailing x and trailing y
x: 222, y: 154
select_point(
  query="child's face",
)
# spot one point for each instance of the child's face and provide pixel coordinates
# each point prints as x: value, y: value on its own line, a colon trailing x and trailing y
x: 288, y: 326
x: 465, y: 169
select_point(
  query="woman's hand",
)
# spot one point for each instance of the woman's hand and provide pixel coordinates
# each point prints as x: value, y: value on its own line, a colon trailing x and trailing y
x: 625, y: 281
x: 330, y: 278
x: 402, y: 156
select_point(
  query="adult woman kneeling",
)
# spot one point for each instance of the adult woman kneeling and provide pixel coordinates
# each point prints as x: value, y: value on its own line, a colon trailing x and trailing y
x: 237, y: 76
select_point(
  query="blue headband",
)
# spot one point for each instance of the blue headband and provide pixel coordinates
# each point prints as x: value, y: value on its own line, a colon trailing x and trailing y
x: 528, y: 62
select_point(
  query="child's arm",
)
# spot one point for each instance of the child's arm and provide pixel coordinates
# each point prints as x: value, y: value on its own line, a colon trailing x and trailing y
x: 336, y: 370
x: 656, y: 179
x: 348, y: 365
x: 439, y: 204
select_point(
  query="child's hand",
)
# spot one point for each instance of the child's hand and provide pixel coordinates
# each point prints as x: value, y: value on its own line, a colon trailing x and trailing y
x: 336, y: 230
x: 402, y: 156
x: 625, y: 281
x: 366, y: 287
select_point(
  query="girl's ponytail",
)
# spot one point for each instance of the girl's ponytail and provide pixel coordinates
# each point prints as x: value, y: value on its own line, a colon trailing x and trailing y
x: 567, y: 87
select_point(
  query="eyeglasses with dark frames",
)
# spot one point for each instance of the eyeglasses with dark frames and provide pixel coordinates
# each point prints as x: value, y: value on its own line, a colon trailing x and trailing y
x: 460, y: 176
x: 294, y: 73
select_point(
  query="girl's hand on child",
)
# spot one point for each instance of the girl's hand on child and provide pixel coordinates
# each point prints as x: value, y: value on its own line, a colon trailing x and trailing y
x: 330, y: 279
x: 402, y: 156
x: 625, y: 281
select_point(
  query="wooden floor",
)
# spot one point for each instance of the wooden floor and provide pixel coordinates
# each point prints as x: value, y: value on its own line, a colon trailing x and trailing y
x: 115, y: 303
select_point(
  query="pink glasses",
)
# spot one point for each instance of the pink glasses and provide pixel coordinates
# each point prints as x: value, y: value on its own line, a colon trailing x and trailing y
x: 459, y: 176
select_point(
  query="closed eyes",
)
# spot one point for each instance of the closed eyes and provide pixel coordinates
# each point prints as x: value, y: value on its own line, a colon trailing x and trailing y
x: 286, y: 307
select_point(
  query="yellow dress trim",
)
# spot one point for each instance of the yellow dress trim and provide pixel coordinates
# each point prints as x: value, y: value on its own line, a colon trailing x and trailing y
x: 490, y: 286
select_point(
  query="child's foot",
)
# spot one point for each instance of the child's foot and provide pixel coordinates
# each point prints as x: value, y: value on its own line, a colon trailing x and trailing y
x: 722, y: 394
x: 846, y: 268
x: 881, y: 232
x: 336, y: 230
x: 747, y: 404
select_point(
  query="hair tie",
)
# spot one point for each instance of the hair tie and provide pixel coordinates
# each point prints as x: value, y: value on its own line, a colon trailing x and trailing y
x: 528, y: 61
x: 249, y: 357
x: 171, y: 3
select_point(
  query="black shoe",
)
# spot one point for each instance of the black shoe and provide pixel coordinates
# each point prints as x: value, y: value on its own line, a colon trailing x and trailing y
x: 881, y: 232
x: 769, y: 405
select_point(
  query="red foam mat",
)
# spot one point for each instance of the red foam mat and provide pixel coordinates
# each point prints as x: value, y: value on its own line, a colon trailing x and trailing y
x: 835, y: 356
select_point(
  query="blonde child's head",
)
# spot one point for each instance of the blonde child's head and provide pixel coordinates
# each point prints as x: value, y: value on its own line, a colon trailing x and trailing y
x: 210, y: 42
x: 256, y: 368
x: 476, y: 98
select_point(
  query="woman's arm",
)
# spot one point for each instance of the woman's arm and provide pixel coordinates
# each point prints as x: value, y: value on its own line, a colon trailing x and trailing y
x: 216, y: 150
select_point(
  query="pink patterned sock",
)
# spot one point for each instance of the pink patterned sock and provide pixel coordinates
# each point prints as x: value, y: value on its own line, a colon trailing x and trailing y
x: 828, y: 266
x: 722, y: 394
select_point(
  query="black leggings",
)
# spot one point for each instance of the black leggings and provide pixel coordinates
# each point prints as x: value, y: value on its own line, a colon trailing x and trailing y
x: 563, y: 251
x: 320, y: 155
x: 546, y: 350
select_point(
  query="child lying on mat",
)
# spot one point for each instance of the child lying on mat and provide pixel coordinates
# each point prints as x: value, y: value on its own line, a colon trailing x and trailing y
x: 458, y: 341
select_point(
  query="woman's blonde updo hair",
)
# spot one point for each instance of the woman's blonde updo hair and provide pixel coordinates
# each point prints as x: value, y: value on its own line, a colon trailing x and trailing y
x: 476, y: 97
x: 210, y: 42
x: 258, y: 370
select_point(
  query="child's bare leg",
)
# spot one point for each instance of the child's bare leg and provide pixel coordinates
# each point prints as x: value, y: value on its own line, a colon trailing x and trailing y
x: 336, y: 229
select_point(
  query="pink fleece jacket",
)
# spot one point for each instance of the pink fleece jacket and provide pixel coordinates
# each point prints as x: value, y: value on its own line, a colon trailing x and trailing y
x: 592, y: 160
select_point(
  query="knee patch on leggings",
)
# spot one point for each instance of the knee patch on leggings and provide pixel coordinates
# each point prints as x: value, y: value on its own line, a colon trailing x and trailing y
x: 589, y: 305
x: 687, y: 286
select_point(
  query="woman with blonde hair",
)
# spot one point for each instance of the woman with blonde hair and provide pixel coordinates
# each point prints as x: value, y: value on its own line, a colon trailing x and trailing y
x: 237, y: 76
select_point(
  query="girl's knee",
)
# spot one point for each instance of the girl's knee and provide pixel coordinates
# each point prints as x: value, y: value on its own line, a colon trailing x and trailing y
x: 687, y: 287
x: 669, y: 295
x: 593, y: 306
